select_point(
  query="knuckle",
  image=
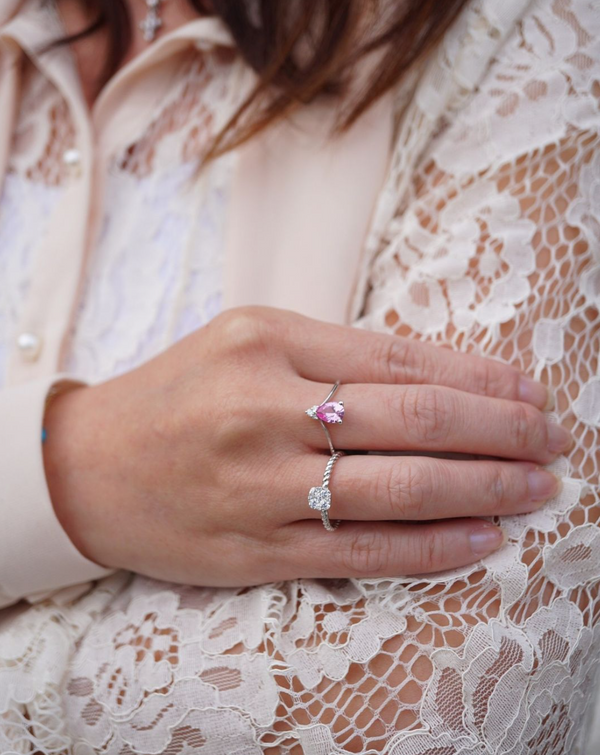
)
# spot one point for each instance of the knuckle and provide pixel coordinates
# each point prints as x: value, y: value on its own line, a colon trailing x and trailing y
x: 368, y: 553
x: 522, y: 426
x: 496, y: 489
x: 485, y: 380
x: 517, y: 486
x: 245, y: 328
x: 510, y: 382
x: 493, y: 378
x: 429, y: 551
x: 406, y: 361
x: 394, y: 355
x: 425, y: 412
x: 506, y: 486
x: 407, y: 487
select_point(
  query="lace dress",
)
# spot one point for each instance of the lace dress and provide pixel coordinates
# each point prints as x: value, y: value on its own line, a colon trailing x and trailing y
x: 486, y: 238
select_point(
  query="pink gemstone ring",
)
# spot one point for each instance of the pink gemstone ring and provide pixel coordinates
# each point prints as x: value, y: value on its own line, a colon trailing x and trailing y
x: 328, y: 413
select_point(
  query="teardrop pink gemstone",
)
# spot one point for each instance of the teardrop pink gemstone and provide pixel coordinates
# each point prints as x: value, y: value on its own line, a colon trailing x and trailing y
x: 331, y: 412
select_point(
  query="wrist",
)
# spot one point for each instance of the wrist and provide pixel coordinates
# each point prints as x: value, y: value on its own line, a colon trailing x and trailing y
x: 67, y: 456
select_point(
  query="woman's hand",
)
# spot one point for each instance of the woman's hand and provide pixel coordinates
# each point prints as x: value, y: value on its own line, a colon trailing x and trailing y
x: 195, y: 467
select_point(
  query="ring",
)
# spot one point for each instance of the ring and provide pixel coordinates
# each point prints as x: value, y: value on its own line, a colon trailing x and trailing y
x: 320, y: 498
x: 330, y: 412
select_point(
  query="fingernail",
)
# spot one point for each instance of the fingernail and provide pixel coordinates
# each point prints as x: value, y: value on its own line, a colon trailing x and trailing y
x: 533, y: 392
x: 559, y: 439
x: 543, y: 485
x: 486, y: 539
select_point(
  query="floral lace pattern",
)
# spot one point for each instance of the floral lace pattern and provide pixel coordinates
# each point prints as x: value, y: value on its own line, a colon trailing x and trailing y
x: 485, y: 239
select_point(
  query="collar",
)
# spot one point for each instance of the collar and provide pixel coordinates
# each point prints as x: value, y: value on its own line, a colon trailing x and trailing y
x: 32, y: 24
x: 35, y: 14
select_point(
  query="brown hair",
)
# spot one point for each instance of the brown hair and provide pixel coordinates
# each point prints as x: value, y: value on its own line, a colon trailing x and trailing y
x: 301, y: 49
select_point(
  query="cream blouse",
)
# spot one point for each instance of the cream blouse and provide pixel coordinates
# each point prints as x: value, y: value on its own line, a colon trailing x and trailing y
x: 464, y: 210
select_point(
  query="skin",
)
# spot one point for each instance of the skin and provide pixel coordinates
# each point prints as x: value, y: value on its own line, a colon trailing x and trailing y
x: 91, y: 52
x: 195, y: 466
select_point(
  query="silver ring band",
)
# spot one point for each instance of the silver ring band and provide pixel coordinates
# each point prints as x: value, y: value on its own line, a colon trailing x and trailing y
x: 331, y: 411
x: 319, y: 498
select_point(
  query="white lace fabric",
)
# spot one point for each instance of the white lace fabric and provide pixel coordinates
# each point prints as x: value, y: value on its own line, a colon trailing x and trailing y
x: 486, y: 239
x: 128, y: 311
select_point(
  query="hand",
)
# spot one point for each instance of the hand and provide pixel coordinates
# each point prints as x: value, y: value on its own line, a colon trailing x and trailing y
x: 195, y: 467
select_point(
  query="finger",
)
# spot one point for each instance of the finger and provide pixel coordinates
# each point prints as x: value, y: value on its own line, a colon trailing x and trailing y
x: 367, y: 549
x: 326, y: 352
x: 419, y: 488
x: 435, y: 419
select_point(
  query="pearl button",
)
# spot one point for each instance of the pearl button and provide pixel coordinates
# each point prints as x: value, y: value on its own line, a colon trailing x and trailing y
x: 72, y: 159
x: 29, y: 345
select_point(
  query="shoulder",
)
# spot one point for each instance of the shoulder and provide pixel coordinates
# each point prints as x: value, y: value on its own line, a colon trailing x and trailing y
x: 516, y: 88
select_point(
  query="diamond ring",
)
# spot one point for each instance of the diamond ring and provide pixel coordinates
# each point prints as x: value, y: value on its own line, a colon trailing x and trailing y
x: 330, y: 412
x: 319, y: 498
